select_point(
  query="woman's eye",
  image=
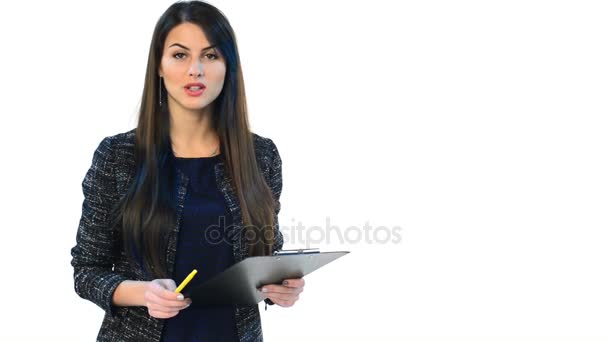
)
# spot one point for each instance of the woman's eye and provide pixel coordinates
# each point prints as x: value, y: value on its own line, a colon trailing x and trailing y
x: 181, y: 55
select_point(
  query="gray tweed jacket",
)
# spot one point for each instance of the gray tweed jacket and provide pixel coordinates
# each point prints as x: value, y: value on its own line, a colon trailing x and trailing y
x: 99, y: 262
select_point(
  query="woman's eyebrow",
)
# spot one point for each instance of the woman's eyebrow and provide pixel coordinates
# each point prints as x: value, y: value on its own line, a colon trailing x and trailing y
x: 185, y: 48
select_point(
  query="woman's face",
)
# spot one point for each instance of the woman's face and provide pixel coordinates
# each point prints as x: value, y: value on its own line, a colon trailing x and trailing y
x: 186, y: 59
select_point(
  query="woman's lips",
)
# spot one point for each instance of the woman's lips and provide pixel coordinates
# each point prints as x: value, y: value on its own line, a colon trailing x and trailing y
x: 194, y: 91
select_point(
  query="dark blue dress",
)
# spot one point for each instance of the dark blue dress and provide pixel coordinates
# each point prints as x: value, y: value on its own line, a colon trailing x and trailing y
x: 202, y: 245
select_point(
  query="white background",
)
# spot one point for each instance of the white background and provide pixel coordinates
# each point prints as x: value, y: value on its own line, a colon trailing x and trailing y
x: 476, y: 127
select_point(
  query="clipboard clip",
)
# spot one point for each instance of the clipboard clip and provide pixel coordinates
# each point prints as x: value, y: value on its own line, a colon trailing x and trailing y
x: 297, y: 251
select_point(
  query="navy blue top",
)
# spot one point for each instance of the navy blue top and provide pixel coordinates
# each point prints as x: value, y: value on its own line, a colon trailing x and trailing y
x: 202, y: 245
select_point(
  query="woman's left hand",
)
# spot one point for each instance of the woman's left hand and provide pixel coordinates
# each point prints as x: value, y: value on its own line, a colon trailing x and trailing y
x: 284, y: 295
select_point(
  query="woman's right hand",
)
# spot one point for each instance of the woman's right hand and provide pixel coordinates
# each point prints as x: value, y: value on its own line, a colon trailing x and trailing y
x: 161, y: 299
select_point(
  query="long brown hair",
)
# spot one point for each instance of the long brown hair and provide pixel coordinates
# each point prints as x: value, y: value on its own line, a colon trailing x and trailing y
x: 147, y: 211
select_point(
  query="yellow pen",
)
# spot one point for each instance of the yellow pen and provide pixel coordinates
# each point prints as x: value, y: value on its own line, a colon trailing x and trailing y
x: 185, y: 282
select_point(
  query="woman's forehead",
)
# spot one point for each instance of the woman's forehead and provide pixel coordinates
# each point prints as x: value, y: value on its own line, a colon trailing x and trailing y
x: 187, y: 35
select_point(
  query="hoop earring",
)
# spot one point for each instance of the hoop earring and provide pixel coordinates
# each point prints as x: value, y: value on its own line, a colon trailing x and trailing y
x: 160, y: 91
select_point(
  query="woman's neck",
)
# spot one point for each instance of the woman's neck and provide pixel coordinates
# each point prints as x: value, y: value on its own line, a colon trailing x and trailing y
x: 192, y: 133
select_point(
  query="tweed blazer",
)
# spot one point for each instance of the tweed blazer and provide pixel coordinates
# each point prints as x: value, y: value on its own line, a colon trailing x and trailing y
x: 100, y: 262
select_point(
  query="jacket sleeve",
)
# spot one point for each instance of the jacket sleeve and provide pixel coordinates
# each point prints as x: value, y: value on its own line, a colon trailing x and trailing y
x: 276, y: 184
x: 96, y: 247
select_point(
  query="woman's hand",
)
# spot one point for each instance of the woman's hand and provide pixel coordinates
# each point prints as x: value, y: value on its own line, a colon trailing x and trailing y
x: 161, y: 299
x: 284, y: 295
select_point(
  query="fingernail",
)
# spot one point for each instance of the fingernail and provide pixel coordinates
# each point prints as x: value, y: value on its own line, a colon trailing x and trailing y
x: 264, y: 289
x: 180, y: 297
x: 285, y: 282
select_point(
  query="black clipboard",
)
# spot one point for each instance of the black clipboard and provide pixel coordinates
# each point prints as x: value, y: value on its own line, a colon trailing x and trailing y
x: 239, y: 283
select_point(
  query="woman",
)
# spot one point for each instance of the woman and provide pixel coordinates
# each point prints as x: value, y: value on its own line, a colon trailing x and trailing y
x: 190, y: 188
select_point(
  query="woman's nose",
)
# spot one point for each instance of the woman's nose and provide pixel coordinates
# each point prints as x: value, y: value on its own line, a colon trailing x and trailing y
x: 196, y: 69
